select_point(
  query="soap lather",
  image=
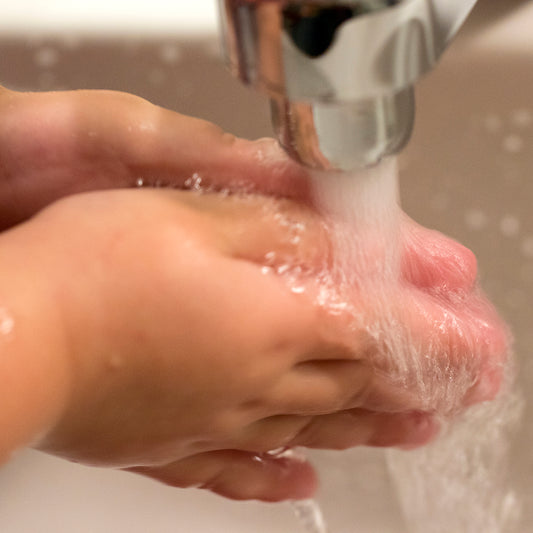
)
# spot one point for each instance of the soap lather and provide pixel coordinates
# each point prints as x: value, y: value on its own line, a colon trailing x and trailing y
x: 339, y: 74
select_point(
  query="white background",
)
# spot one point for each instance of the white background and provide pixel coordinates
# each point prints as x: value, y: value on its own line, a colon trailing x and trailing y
x: 109, y: 16
x: 171, y: 17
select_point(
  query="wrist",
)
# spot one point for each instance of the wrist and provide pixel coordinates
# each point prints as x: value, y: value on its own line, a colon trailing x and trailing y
x: 34, y: 369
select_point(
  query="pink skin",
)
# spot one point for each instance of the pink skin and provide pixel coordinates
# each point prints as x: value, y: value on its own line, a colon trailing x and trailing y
x: 124, y: 283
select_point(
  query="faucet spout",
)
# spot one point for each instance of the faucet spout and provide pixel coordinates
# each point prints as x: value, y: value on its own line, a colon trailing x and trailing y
x: 339, y: 73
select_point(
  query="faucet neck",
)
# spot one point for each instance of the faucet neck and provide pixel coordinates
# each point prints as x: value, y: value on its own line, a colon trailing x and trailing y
x: 340, y: 73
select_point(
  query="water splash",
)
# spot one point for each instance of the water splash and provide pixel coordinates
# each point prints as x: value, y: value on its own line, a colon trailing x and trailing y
x: 461, y: 482
x: 458, y: 484
x: 310, y: 516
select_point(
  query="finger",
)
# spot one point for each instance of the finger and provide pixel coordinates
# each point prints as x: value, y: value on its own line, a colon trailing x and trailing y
x: 181, y: 147
x: 272, y: 232
x: 360, y: 427
x: 61, y: 143
x: 327, y: 386
x: 434, y: 262
x: 159, y: 145
x: 451, y: 353
x: 339, y: 431
x: 239, y: 475
x: 321, y: 387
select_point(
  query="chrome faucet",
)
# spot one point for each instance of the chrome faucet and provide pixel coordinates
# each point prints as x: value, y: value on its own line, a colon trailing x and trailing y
x: 339, y: 73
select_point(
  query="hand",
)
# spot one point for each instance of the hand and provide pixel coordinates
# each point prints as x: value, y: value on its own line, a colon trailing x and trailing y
x: 179, y: 344
x: 61, y: 143
x: 185, y: 359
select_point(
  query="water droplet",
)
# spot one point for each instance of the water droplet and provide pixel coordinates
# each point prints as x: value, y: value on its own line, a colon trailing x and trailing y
x: 310, y: 515
x: 510, y: 226
x: 475, y: 219
x: 298, y: 289
x: 194, y: 183
x: 282, y: 269
x: 270, y: 257
x: 513, y: 144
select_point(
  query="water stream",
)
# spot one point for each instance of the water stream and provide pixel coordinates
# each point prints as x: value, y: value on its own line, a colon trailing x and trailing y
x: 459, y: 483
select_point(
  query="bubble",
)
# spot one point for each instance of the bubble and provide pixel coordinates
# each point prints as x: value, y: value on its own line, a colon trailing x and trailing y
x: 475, y: 219
x: 139, y: 182
x: 509, y: 226
x: 194, y: 183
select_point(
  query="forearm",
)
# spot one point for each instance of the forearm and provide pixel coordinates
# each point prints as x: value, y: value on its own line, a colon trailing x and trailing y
x: 33, y: 369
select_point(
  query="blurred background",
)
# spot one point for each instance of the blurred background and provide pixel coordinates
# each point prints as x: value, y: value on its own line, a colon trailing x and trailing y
x: 467, y: 172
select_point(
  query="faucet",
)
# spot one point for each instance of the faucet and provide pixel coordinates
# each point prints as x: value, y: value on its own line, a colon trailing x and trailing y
x: 339, y: 73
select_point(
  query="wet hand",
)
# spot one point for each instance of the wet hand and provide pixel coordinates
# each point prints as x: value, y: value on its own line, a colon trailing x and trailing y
x: 183, y: 351
x: 57, y: 144
x: 189, y: 357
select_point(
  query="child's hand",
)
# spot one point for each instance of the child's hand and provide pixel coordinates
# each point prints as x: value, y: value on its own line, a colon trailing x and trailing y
x: 60, y: 143
x: 185, y: 358
x: 146, y: 333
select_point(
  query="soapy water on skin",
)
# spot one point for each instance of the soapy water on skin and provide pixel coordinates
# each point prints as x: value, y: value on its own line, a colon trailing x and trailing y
x: 459, y: 483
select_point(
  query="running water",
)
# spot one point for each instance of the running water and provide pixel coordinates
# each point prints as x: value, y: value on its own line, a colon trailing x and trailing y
x: 457, y: 484
x: 436, y: 336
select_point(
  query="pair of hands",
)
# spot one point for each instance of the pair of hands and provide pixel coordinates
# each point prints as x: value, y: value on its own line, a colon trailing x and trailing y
x: 156, y: 341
